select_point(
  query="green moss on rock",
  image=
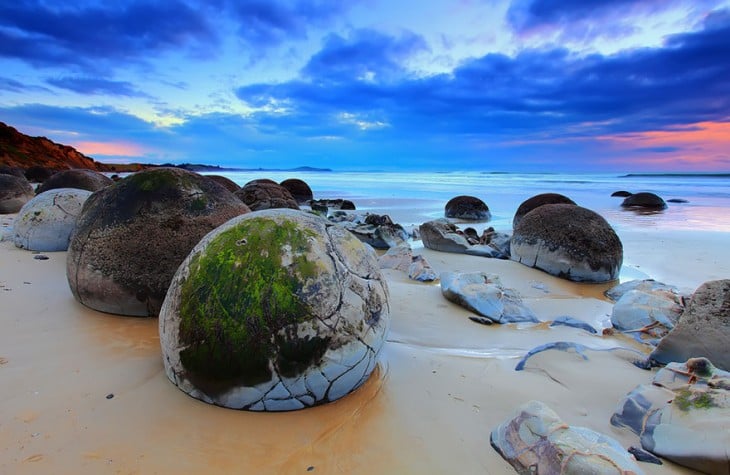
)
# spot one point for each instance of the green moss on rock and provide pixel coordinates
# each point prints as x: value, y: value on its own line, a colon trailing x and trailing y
x: 687, y: 399
x: 237, y: 297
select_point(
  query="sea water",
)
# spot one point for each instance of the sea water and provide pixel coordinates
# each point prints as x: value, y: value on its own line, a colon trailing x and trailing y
x: 411, y: 198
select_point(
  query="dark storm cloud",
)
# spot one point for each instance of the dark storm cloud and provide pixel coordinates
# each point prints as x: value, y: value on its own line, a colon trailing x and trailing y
x: 536, y: 90
x: 96, y: 86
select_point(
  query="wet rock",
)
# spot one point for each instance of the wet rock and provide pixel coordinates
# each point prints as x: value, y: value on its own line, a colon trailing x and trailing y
x: 14, y: 193
x: 421, y: 270
x: 266, y: 194
x: 225, y: 182
x: 441, y: 235
x: 89, y: 180
x: 648, y: 315
x: 537, y: 201
x: 574, y: 323
x: 644, y: 200
x: 621, y: 194
x: 677, y: 200
x: 568, y: 241
x: 578, y: 348
x: 682, y: 415
x: 275, y: 310
x: 702, y: 330
x: 378, y: 231
x: 484, y: 294
x: 131, y: 237
x: 536, y: 440
x: 333, y: 204
x: 45, y: 223
x: 298, y: 189
x: 468, y: 208
x: 645, y: 285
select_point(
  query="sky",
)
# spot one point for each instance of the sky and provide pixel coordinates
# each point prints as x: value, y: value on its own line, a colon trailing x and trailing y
x: 491, y: 85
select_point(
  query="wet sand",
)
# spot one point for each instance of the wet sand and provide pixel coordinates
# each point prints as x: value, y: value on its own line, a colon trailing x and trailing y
x: 85, y: 392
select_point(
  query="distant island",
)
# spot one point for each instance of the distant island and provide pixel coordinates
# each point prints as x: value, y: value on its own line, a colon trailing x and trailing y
x: 18, y: 150
x: 675, y: 175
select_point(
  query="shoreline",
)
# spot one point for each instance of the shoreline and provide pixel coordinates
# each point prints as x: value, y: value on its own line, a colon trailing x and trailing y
x: 442, y: 384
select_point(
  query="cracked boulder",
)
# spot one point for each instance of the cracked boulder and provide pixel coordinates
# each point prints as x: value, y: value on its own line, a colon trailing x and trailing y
x: 15, y: 191
x: 131, y: 237
x: 266, y: 194
x: 46, y: 222
x: 79, y: 178
x: 276, y: 310
x: 568, y: 241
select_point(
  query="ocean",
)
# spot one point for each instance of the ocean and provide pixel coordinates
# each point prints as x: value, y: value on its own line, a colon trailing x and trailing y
x: 411, y: 198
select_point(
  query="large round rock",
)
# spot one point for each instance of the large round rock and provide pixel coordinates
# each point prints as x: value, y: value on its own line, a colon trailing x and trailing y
x: 15, y: 191
x: 76, y: 178
x: 132, y: 236
x: 536, y: 201
x: 266, y: 194
x: 568, y: 241
x: 299, y: 189
x: 467, y: 207
x: 644, y: 200
x: 45, y: 223
x: 275, y: 310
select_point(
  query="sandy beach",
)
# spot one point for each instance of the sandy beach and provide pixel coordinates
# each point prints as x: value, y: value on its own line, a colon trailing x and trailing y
x: 85, y: 392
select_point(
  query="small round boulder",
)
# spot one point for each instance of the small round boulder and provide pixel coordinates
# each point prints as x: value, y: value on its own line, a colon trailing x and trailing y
x: 15, y: 191
x: 644, y: 200
x: 46, y: 222
x: 568, y: 241
x: 276, y: 310
x: 131, y: 237
x: 266, y: 194
x: 299, y: 189
x: 76, y: 178
x: 226, y: 182
x: 538, y: 200
x: 467, y: 207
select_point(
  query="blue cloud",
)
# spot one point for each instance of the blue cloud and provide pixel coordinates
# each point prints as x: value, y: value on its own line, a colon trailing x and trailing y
x: 96, y: 86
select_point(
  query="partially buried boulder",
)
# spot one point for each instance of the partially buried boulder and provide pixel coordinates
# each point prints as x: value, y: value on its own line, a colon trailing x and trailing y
x: 644, y: 200
x: 467, y: 207
x: 535, y: 440
x: 536, y: 201
x: 276, y: 310
x: 46, y: 222
x: 702, y: 330
x: 15, y: 191
x: 299, y: 189
x: 132, y: 236
x: 568, y: 241
x: 266, y: 194
x: 76, y: 178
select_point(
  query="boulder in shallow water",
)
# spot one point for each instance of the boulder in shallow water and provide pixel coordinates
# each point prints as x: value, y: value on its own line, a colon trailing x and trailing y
x: 275, y: 310
x: 644, y: 200
x: 683, y: 415
x: 536, y: 441
x: 131, y: 237
x: 568, y: 241
x: 702, y: 330
x: 484, y: 294
x: 46, y: 222
x: 468, y: 208
x: 537, y: 201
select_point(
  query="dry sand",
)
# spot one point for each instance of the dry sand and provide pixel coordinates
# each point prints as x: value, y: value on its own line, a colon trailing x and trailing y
x: 85, y: 392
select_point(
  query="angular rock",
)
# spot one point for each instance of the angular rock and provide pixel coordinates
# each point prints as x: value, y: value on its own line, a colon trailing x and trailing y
x: 131, y: 237
x: 468, y: 208
x: 703, y: 329
x: 375, y: 230
x: 682, y: 415
x: 484, y: 294
x: 266, y: 194
x: 397, y: 257
x: 644, y: 200
x: 536, y: 441
x: 568, y: 241
x: 298, y: 189
x: 537, y: 201
x: 421, y: 270
x: 645, y: 285
x: 648, y: 315
x: 336, y: 204
x: 441, y: 235
x: 46, y: 222
x: 89, y: 180
x: 14, y: 193
x: 275, y: 310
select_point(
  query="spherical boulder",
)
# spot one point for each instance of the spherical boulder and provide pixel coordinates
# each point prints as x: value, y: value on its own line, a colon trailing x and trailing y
x: 45, y: 223
x: 15, y: 191
x: 260, y: 194
x: 538, y: 200
x: 76, y: 178
x: 226, y: 182
x: 644, y: 200
x: 132, y: 236
x: 467, y: 207
x: 275, y: 310
x: 568, y: 241
x: 299, y: 189
x: 621, y: 193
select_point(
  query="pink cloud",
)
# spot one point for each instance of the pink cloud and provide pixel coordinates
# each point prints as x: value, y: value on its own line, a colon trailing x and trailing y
x: 125, y: 149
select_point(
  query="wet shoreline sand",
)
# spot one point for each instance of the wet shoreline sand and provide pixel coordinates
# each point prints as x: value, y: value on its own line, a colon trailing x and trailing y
x: 85, y: 392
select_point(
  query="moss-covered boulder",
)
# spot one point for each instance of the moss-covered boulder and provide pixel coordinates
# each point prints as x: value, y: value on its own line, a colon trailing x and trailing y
x: 275, y: 310
x: 131, y: 237
x: 46, y: 222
